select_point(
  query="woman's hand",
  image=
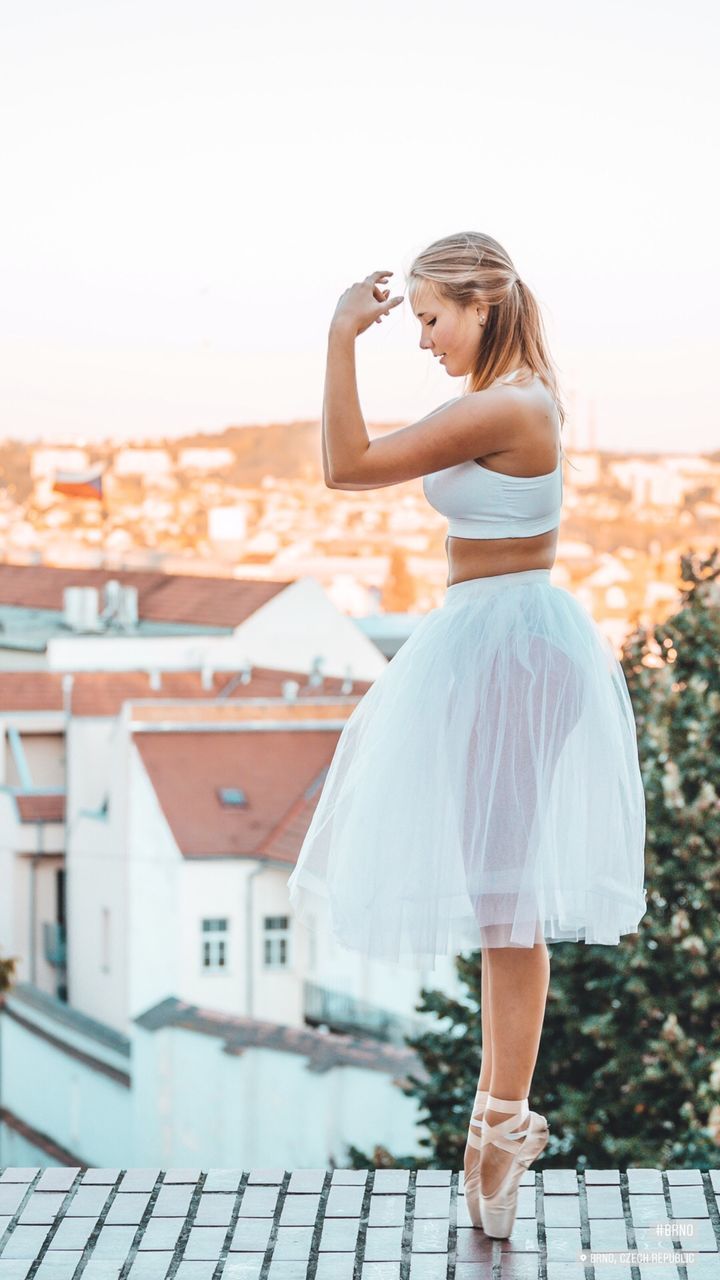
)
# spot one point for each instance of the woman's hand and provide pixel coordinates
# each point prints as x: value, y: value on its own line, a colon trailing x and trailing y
x: 363, y: 303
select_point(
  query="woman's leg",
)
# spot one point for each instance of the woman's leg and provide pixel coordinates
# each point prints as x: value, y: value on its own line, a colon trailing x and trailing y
x: 472, y: 1154
x: 518, y: 979
x: 486, y: 1061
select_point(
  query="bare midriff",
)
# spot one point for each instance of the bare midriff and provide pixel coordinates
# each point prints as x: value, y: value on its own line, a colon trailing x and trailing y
x: 484, y: 557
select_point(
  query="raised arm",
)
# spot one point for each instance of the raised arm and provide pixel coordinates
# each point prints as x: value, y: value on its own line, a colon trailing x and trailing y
x: 469, y: 426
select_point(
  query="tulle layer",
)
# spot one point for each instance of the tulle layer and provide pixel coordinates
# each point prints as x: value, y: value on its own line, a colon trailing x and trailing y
x: 486, y: 790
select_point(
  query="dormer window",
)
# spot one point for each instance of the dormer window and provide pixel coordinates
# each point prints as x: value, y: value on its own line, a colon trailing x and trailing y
x: 232, y: 797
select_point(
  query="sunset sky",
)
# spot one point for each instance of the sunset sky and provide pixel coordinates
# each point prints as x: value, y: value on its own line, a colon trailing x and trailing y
x: 189, y: 185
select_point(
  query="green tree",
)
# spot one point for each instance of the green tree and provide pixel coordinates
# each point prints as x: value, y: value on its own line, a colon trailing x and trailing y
x: 628, y: 1070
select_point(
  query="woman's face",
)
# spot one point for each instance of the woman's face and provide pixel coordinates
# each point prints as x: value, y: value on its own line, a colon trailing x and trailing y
x: 452, y: 333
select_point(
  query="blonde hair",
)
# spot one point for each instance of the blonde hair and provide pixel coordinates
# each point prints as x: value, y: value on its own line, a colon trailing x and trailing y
x: 471, y: 267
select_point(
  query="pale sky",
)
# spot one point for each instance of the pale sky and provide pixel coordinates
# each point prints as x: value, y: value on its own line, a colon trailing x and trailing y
x: 189, y: 186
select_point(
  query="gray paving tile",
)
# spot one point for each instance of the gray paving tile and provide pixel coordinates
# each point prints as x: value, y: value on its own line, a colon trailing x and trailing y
x: 251, y: 1234
x: 292, y: 1244
x: 58, y: 1266
x: 200, y: 1269
x: 339, y: 1235
x: 204, y: 1243
x: 139, y: 1179
x: 386, y: 1211
x: 259, y: 1202
x: 561, y: 1211
x: 249, y: 1267
x: 43, y: 1206
x: 602, y: 1177
x: 11, y: 1196
x: 647, y: 1210
x: 429, y: 1266
x: 605, y: 1202
x: 15, y: 1268
x: 560, y: 1182
x: 25, y: 1242
x: 102, y: 1269
x: 430, y: 1235
x: 104, y: 1176
x: 223, y: 1180
x: 267, y: 1176
x: 56, y: 1179
x: 214, y: 1209
x: 334, y: 1266
x: 113, y: 1243
x: 161, y: 1233
x: 645, y: 1180
x: 608, y: 1234
x: 563, y: 1243
x: 150, y: 1266
x: 432, y: 1202
x: 172, y: 1202
x: 87, y: 1202
x: 389, y: 1181
x: 344, y: 1202
x: 127, y: 1208
x: 383, y: 1244
x: 306, y: 1180
x: 688, y: 1201
x: 73, y: 1233
x: 299, y: 1210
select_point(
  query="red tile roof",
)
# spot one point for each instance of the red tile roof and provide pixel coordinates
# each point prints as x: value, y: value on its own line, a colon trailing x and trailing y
x: 102, y: 693
x: 280, y: 770
x: 321, y: 1049
x: 37, y: 808
x: 162, y: 597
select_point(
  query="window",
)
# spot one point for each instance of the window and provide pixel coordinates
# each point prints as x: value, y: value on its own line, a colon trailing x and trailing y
x: 232, y: 797
x: 215, y: 931
x: 276, y: 931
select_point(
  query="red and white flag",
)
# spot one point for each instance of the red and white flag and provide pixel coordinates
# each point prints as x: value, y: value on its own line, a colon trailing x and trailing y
x: 80, y: 484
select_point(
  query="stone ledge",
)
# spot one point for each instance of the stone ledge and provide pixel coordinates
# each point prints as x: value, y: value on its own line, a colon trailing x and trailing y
x: 61, y: 1223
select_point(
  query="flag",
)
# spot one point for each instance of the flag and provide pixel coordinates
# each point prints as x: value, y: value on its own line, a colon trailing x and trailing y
x: 80, y: 484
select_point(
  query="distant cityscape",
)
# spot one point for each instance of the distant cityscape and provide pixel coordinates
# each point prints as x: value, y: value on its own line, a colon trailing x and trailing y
x: 251, y: 502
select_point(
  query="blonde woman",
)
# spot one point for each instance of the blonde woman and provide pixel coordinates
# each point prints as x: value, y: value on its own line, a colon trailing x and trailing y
x: 486, y: 791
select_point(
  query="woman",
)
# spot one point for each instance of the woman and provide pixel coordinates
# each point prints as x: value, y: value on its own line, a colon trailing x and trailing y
x: 486, y: 791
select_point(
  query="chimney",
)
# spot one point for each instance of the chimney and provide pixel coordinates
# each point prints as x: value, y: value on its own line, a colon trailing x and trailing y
x: 80, y: 609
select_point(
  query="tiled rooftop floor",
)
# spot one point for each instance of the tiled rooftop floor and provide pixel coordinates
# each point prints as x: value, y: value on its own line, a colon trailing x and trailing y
x: 268, y: 1224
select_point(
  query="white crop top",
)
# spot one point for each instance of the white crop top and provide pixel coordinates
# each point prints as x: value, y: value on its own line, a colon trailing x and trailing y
x: 481, y: 503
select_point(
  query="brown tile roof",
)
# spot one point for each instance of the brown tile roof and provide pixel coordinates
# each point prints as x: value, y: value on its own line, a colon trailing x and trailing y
x: 279, y: 770
x: 162, y: 597
x: 322, y: 1050
x: 102, y: 693
x: 38, y: 808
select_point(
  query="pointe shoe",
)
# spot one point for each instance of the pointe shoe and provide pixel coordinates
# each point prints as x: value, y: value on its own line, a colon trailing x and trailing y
x: 471, y: 1183
x: 498, y: 1211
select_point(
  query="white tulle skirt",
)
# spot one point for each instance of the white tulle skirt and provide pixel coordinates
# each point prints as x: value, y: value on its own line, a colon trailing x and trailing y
x: 486, y: 790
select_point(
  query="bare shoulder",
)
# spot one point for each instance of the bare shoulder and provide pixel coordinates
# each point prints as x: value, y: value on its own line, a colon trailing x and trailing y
x: 533, y: 449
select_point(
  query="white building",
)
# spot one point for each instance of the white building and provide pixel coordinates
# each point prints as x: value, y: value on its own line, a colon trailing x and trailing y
x: 142, y: 462
x: 158, y: 872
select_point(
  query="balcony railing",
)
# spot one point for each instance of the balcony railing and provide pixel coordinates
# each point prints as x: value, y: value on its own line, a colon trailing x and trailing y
x: 345, y: 1013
